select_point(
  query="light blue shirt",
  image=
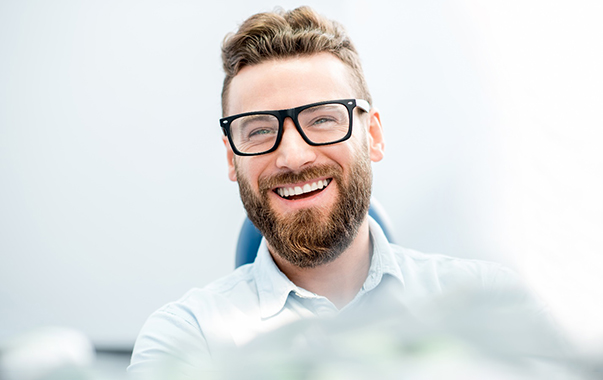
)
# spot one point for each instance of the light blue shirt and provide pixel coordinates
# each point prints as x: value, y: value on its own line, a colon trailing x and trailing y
x: 207, y: 323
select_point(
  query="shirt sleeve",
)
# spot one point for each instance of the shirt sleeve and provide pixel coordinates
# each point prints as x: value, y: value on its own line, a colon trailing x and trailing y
x: 170, y: 345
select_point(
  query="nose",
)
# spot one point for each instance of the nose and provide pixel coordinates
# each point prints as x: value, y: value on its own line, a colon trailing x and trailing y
x: 293, y: 152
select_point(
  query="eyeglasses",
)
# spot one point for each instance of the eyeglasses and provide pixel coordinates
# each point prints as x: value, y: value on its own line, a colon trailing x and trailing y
x: 322, y: 123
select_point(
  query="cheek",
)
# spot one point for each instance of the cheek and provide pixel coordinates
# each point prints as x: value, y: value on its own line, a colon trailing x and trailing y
x: 358, y: 146
x: 248, y: 169
x: 359, y: 138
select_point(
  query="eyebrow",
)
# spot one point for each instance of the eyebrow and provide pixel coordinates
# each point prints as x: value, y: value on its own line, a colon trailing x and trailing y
x: 323, y: 107
x: 255, y: 117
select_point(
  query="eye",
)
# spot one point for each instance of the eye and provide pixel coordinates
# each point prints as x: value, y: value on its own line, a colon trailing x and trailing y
x: 256, y: 127
x: 323, y: 117
x: 261, y: 131
x: 323, y: 120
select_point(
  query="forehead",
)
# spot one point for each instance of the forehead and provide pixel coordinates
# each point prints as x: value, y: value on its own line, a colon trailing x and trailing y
x: 290, y: 82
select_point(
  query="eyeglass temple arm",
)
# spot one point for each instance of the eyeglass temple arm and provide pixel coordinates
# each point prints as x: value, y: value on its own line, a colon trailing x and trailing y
x: 363, y: 104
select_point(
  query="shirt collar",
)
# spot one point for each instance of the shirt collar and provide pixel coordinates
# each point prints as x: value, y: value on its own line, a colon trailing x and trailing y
x: 383, y: 261
x: 272, y: 284
x: 274, y: 287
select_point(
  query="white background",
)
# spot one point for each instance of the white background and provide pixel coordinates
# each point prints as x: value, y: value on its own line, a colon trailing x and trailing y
x: 113, y: 191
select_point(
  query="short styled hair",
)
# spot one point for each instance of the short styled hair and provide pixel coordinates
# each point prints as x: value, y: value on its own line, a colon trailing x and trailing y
x: 279, y: 34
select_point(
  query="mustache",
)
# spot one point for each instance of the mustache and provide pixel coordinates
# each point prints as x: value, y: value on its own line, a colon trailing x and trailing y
x: 268, y: 183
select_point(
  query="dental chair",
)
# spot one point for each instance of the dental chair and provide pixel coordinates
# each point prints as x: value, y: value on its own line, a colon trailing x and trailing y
x: 250, y: 237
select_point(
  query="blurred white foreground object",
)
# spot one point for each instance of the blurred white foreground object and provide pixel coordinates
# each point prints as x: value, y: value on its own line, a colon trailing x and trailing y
x: 39, y: 353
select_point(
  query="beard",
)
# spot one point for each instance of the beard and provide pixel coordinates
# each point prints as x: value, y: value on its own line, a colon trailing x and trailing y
x: 316, y: 235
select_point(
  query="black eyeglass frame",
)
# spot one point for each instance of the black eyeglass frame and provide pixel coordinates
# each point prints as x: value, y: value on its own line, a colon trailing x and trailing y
x: 292, y: 113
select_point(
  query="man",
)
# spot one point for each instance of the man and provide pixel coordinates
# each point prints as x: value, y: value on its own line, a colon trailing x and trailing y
x: 300, y: 134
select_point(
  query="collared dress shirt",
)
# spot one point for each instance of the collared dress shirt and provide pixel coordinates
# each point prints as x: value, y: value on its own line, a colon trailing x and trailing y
x: 207, y: 323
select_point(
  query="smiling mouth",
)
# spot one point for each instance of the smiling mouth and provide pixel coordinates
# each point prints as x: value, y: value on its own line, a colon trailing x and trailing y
x: 300, y: 192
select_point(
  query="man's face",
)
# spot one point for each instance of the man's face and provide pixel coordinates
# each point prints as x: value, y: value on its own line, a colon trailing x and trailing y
x: 315, y: 227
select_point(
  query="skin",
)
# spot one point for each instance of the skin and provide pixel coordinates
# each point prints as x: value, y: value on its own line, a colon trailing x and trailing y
x: 288, y: 83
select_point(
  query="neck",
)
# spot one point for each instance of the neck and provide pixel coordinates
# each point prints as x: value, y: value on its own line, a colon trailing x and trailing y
x: 341, y: 279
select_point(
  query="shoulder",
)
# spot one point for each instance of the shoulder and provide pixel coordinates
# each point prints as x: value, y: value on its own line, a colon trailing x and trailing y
x: 427, y: 274
x: 447, y: 272
x: 236, y: 287
x: 185, y: 332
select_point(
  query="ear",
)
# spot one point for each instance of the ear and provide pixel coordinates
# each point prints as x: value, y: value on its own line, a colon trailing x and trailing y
x: 375, y: 136
x: 230, y: 157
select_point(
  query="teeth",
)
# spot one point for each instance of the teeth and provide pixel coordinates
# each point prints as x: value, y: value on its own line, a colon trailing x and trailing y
x: 297, y: 190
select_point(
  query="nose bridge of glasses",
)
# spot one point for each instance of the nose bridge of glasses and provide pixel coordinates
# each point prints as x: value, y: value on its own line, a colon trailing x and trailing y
x: 290, y: 116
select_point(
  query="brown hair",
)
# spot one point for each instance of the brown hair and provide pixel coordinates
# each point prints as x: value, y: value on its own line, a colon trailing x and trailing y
x: 280, y: 34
